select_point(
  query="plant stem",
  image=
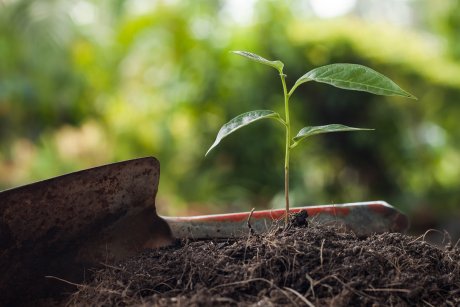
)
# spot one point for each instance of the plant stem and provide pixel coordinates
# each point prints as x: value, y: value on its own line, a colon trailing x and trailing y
x: 288, y: 148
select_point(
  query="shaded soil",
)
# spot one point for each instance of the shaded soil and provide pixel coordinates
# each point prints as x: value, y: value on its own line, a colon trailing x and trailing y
x: 303, y: 266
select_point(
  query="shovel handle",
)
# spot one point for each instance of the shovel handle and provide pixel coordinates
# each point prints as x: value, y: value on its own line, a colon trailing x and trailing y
x: 363, y: 218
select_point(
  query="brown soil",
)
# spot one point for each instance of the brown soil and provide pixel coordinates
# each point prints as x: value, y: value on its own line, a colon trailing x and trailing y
x: 303, y: 266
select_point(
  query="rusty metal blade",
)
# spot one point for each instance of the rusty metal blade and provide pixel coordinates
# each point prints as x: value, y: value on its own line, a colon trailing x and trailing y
x: 60, y: 225
x: 363, y: 218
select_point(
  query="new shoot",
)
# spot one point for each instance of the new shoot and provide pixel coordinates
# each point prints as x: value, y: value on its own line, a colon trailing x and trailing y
x: 346, y: 76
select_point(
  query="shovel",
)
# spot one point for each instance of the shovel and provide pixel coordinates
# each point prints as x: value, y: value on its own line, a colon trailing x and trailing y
x: 63, y: 225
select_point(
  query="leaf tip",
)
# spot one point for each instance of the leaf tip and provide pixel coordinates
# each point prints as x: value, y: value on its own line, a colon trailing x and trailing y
x: 407, y: 95
x: 209, y: 150
x: 412, y: 96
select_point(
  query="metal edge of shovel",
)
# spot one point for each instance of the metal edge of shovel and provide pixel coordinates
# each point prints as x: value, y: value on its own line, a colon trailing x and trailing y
x: 64, y: 225
x: 361, y: 218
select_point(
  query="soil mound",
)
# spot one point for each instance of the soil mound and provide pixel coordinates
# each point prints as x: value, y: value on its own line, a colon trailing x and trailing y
x: 303, y: 266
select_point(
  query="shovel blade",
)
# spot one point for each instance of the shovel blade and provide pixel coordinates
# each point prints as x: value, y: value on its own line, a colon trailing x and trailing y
x: 62, y: 225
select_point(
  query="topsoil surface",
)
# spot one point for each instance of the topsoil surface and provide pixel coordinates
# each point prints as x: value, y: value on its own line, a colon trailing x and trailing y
x: 301, y: 266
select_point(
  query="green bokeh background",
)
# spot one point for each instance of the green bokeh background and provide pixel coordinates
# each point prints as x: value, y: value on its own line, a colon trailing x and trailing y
x: 84, y: 83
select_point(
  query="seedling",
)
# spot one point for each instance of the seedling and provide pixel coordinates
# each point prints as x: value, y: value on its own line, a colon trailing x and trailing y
x: 346, y: 76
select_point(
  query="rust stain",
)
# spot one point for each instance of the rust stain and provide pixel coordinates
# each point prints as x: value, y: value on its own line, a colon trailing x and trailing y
x: 329, y: 210
x: 380, y: 209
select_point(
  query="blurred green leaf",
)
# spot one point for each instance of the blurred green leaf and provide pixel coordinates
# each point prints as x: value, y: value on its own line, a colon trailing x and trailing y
x: 353, y: 77
x: 241, y: 121
x: 313, y: 130
x: 257, y: 58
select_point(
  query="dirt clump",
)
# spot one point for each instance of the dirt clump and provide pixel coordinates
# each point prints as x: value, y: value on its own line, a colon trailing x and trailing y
x: 301, y: 266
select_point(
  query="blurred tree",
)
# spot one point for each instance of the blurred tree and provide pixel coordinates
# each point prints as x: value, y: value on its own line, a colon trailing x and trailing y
x: 38, y: 88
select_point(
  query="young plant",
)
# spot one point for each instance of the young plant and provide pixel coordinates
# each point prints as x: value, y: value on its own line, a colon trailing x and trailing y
x: 346, y: 76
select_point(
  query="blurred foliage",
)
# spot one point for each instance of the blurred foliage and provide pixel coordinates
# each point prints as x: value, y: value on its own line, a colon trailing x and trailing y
x: 86, y: 83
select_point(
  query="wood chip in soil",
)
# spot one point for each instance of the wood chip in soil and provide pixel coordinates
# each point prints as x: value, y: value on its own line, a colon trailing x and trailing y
x: 309, y: 266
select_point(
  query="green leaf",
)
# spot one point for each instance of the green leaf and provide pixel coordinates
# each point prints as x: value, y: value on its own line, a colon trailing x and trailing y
x: 309, y: 131
x: 353, y: 77
x: 257, y: 58
x: 241, y: 121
